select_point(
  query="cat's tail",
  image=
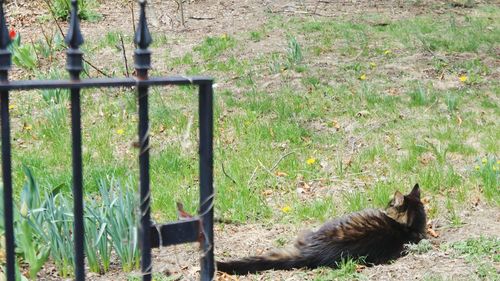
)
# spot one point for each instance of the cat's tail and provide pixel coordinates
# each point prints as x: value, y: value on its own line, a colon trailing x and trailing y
x: 283, y: 259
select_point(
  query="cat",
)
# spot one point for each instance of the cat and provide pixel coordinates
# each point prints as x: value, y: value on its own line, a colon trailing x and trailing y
x: 372, y: 236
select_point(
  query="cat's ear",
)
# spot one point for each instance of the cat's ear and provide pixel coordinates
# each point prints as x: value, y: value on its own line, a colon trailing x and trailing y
x: 415, y: 192
x: 399, y: 199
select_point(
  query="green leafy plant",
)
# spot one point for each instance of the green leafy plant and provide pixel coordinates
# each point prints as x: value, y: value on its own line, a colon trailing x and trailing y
x: 54, y: 96
x: 488, y: 171
x: 24, y: 56
x: 122, y: 221
x: 50, y: 45
x: 294, y: 52
x: 421, y: 95
x: 95, y: 234
x: 29, y: 244
x: 59, y: 227
x: 97, y: 243
x: 19, y: 276
x: 62, y: 9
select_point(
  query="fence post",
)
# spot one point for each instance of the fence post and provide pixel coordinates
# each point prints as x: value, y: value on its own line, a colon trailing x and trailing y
x: 74, y: 65
x: 5, y: 63
x: 142, y: 62
x: 205, y: 109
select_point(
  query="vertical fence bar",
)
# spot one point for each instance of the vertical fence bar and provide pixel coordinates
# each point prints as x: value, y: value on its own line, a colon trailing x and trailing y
x: 205, y: 113
x: 5, y: 63
x: 142, y: 61
x: 74, y: 65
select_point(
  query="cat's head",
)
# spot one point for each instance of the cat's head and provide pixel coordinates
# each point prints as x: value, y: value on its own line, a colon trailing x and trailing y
x: 408, y: 209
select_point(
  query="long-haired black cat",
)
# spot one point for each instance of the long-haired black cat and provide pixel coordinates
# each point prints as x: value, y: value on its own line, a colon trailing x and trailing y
x: 374, y: 236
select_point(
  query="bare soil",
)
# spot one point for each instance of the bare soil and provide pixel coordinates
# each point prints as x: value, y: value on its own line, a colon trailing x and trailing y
x: 235, y: 241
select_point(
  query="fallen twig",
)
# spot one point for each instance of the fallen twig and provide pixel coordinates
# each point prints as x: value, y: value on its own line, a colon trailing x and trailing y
x: 201, y: 18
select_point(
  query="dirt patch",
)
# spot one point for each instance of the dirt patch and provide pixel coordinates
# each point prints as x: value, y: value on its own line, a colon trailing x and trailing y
x: 236, y: 241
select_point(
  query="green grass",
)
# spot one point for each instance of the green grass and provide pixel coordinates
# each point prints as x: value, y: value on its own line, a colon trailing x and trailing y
x: 482, y: 253
x: 214, y: 46
x: 372, y: 136
x: 346, y: 271
x: 333, y: 117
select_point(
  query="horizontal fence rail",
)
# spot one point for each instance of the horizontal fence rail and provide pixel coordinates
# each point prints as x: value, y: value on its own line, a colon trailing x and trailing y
x: 103, y: 82
x: 197, y: 229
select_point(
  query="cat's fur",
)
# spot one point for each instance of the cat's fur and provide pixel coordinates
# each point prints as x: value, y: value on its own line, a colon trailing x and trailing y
x: 374, y: 236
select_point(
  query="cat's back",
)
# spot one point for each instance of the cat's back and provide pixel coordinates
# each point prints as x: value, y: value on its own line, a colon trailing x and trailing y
x: 369, y: 233
x: 358, y: 224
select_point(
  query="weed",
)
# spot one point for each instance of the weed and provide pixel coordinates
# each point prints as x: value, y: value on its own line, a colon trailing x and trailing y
x: 453, y: 216
x: 355, y: 201
x: 481, y: 252
x: 213, y: 47
x: 488, y: 171
x: 381, y: 194
x: 62, y: 9
x: 294, y: 52
x: 452, y: 102
x: 187, y: 59
x: 482, y: 247
x: 346, y: 271
x: 256, y: 36
x: 422, y: 247
x: 421, y: 95
x: 433, y: 277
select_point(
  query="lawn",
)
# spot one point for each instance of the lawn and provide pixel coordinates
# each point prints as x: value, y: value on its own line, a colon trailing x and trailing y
x: 317, y: 114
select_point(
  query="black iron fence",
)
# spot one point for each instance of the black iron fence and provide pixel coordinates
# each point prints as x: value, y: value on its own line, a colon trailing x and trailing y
x: 198, y: 229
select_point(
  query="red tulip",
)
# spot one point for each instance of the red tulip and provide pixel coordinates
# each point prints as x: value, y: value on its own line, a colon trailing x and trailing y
x: 12, y: 34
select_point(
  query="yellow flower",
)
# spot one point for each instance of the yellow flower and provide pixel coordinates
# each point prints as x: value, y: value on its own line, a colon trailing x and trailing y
x: 120, y: 131
x: 386, y: 52
x: 495, y: 168
x: 484, y: 160
x: 24, y: 209
x: 373, y: 65
x: 463, y: 78
x: 310, y: 161
x: 11, y: 106
x: 477, y: 167
x: 286, y: 209
x: 362, y: 77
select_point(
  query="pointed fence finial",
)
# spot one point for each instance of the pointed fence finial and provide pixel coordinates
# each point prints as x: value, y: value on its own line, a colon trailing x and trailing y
x: 142, y: 35
x: 74, y: 39
x: 142, y: 56
x: 5, y: 56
